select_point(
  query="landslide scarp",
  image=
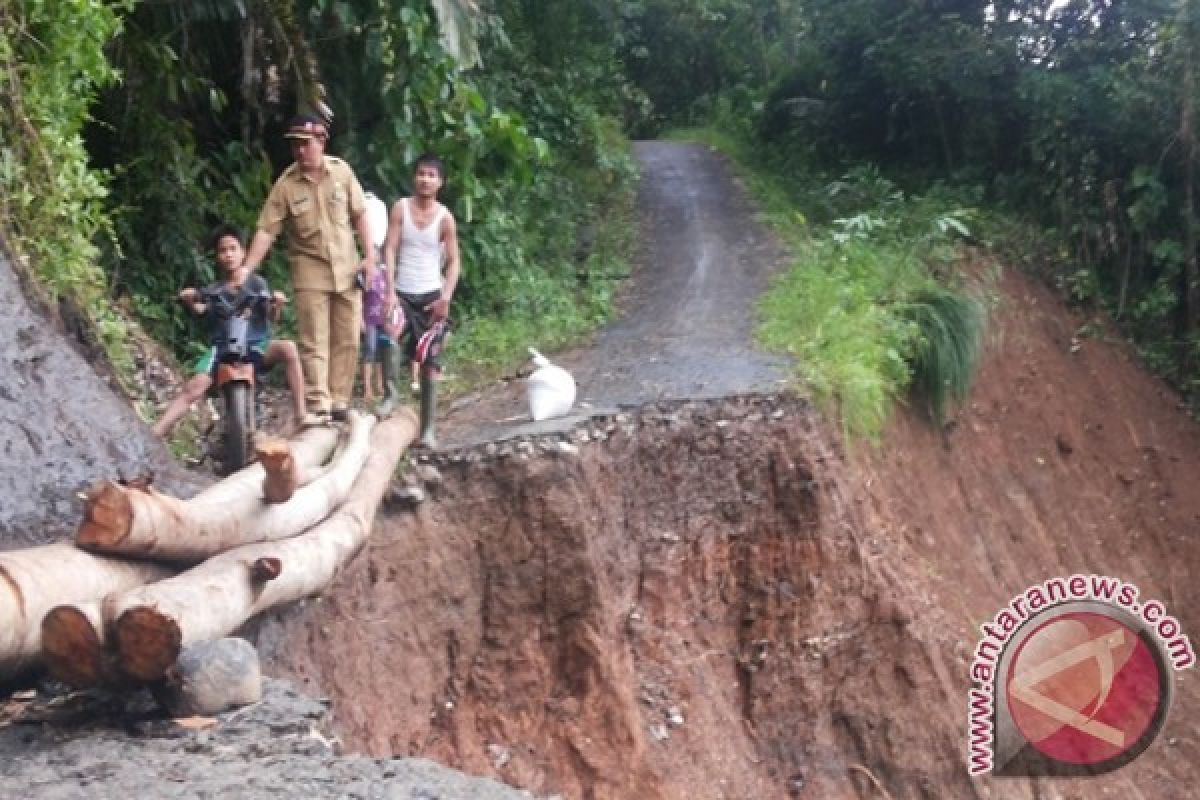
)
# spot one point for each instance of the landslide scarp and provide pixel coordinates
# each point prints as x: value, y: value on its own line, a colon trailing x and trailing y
x: 673, y: 602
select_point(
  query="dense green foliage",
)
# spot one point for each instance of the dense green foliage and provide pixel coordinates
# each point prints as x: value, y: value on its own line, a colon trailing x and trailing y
x: 51, y: 65
x: 1071, y: 123
x: 872, y: 310
x: 1075, y: 117
x: 949, y: 328
x: 539, y: 174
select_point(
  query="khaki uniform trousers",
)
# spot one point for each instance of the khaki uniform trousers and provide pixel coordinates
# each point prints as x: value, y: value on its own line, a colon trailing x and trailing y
x: 328, y: 323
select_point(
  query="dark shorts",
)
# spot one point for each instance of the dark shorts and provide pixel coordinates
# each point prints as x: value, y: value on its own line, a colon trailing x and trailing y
x: 422, y: 338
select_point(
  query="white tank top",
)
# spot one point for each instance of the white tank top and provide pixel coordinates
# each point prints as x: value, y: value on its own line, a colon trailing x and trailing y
x: 419, y: 263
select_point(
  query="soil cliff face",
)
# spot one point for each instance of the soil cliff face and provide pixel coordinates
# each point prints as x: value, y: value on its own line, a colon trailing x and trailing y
x: 649, y: 616
x: 712, y: 600
x: 685, y: 609
x: 1068, y: 459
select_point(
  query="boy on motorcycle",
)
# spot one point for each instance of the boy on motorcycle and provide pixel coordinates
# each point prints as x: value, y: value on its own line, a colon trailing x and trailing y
x: 265, y: 352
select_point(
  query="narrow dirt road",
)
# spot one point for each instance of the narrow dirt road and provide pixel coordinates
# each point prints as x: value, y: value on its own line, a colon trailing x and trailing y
x: 687, y: 319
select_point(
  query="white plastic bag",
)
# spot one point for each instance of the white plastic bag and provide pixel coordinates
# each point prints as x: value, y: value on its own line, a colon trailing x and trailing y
x: 551, y: 389
x: 377, y: 218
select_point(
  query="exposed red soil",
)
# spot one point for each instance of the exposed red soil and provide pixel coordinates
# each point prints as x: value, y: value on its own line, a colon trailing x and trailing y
x: 1068, y: 459
x: 715, y: 602
x: 547, y: 618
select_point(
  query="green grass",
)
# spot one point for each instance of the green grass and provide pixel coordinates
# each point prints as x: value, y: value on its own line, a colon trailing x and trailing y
x: 831, y: 313
x: 483, y: 348
x: 872, y: 309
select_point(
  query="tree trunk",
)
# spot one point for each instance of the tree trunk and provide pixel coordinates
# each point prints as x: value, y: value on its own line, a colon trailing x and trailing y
x: 282, y: 472
x: 151, y: 625
x: 146, y: 524
x: 943, y: 132
x: 308, y: 473
x: 249, y: 33
x: 35, y: 579
x: 310, y: 449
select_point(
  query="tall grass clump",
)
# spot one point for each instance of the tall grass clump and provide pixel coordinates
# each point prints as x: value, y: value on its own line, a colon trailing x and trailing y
x: 945, y: 351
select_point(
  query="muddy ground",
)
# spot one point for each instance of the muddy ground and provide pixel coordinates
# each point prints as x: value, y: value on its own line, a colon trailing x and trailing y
x: 672, y: 597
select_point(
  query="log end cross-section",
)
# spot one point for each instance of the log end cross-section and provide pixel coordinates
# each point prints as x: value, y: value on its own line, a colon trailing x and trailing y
x: 72, y: 649
x: 108, y: 517
x: 148, y: 642
x: 266, y: 569
x: 282, y: 471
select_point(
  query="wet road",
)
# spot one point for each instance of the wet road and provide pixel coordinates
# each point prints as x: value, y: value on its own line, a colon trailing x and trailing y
x: 686, y: 330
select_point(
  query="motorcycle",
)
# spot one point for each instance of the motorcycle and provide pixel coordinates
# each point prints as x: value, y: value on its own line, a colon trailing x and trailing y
x: 234, y: 381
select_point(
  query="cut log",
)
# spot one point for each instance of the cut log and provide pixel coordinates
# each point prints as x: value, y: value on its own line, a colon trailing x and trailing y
x: 152, y: 624
x: 34, y: 580
x: 308, y: 473
x: 73, y: 646
x: 111, y: 516
x: 147, y: 524
x: 282, y: 472
x: 310, y: 448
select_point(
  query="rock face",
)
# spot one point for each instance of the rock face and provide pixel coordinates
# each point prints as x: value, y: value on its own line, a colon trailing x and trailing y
x: 277, y: 748
x: 62, y: 426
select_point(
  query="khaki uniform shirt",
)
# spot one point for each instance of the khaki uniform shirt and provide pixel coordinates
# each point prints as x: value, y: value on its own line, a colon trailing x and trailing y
x: 319, y: 217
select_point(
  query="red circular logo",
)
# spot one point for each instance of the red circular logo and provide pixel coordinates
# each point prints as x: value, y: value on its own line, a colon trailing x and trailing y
x: 1084, y: 688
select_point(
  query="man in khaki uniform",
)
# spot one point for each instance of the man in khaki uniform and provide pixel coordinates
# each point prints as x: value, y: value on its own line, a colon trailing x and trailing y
x: 320, y: 203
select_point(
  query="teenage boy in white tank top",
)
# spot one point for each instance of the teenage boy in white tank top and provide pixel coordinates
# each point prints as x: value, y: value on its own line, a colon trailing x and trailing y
x: 422, y: 240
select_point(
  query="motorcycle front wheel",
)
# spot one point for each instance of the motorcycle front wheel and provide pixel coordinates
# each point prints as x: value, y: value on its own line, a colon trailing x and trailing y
x: 237, y: 445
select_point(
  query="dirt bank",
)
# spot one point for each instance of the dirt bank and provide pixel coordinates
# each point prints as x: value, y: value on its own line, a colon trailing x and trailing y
x: 709, y: 600
x: 1069, y: 458
x: 593, y: 621
x: 679, y: 607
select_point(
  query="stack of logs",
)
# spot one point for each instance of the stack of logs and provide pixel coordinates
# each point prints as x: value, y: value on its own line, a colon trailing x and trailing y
x: 149, y: 574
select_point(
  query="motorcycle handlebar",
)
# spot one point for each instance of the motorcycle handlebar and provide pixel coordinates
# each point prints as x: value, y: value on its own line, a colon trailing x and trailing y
x: 216, y: 302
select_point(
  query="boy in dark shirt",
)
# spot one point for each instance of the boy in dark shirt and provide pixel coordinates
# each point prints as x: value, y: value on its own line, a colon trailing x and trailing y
x: 265, y: 352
